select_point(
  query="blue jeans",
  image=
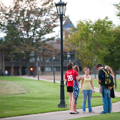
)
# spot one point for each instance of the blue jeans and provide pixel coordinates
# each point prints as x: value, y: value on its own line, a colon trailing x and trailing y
x: 106, y: 99
x: 87, y: 93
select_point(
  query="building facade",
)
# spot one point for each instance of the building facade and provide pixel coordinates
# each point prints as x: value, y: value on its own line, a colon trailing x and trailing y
x: 41, y: 66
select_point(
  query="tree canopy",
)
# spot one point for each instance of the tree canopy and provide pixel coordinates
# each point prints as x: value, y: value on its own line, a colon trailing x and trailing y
x: 90, y: 39
x: 26, y: 23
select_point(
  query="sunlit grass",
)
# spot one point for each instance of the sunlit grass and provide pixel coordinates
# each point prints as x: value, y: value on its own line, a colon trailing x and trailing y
x: 41, y: 97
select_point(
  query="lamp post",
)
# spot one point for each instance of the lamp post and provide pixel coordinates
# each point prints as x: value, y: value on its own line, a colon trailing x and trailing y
x: 54, y: 68
x: 68, y: 56
x: 38, y: 68
x: 95, y: 68
x: 61, y: 6
x: 33, y: 68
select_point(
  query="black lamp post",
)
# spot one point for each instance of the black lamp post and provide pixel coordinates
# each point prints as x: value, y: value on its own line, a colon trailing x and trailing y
x: 54, y: 67
x: 38, y: 68
x: 68, y: 56
x: 61, y: 7
x: 33, y: 68
x: 95, y: 68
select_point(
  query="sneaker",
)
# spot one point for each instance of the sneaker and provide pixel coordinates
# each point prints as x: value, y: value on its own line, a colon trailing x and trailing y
x: 102, y: 112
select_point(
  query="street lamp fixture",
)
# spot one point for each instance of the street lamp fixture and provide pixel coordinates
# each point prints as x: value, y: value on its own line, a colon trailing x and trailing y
x: 54, y: 67
x: 61, y: 7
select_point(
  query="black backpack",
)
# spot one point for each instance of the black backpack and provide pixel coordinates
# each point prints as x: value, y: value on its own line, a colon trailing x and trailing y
x: 108, y: 79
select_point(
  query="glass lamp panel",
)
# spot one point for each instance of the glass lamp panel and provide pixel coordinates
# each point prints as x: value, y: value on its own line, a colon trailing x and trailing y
x: 61, y: 7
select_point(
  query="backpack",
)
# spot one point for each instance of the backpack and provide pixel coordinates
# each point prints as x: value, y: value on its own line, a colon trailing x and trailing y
x: 108, y: 79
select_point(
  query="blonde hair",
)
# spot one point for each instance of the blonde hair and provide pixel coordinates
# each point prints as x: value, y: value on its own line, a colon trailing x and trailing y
x: 109, y: 69
x: 76, y: 68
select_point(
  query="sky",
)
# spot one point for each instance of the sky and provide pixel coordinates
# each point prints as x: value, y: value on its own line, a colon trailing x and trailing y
x: 91, y: 9
x: 88, y: 9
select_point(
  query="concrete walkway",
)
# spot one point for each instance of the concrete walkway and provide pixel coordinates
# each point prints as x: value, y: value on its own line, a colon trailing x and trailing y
x: 63, y: 115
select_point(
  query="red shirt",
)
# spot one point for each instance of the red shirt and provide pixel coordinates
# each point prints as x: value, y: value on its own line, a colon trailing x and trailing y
x: 69, y: 77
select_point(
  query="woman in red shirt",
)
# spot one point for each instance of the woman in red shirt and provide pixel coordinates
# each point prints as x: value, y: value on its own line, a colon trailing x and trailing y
x: 69, y: 80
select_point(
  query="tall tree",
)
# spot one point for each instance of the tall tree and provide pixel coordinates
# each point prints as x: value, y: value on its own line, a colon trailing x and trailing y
x: 112, y: 58
x: 89, y: 40
x: 26, y: 23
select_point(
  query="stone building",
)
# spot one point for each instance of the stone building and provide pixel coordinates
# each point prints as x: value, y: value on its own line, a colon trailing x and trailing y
x: 43, y: 66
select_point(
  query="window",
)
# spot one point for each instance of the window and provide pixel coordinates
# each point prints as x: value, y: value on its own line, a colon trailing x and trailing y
x: 57, y: 68
x: 48, y: 59
x: 48, y: 69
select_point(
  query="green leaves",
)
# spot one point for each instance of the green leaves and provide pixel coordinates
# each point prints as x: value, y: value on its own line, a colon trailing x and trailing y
x: 89, y: 40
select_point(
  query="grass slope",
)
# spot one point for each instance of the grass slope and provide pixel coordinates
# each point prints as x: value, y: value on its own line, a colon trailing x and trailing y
x: 41, y: 96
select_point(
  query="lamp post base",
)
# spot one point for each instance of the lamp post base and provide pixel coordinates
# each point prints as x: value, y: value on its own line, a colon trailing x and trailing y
x: 62, y: 104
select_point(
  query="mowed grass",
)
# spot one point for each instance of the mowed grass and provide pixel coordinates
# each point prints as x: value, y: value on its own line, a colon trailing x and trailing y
x: 95, y: 82
x: 26, y: 96
x: 111, y: 116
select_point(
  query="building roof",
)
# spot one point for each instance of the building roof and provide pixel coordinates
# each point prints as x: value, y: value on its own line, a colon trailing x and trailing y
x: 68, y: 24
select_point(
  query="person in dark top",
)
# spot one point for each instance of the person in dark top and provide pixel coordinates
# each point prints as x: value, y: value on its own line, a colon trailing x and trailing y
x: 105, y: 91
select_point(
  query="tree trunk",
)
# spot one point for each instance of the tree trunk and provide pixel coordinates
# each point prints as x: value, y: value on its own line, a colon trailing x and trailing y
x: 115, y: 81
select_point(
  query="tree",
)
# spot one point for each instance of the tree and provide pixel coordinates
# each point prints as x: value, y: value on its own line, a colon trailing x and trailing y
x: 118, y: 8
x: 26, y: 22
x: 89, y: 40
x: 112, y: 58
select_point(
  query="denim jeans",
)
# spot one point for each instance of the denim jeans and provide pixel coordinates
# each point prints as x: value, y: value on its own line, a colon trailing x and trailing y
x: 87, y: 93
x: 106, y: 99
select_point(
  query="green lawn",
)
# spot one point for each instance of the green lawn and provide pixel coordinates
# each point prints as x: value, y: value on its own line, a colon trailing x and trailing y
x: 19, y: 96
x: 95, y: 82
x: 111, y: 116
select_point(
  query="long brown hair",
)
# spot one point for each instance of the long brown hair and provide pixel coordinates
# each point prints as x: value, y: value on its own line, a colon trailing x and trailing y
x: 70, y: 66
x: 109, y: 69
x: 76, y: 68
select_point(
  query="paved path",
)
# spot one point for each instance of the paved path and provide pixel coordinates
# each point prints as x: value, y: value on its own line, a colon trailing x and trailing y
x: 63, y: 115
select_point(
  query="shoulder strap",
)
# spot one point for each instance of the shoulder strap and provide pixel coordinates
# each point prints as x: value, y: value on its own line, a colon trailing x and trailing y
x: 73, y: 77
x: 105, y: 72
x: 73, y: 74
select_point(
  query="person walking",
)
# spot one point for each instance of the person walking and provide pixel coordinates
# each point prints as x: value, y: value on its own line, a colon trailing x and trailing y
x: 105, y: 91
x: 87, y: 88
x: 69, y: 79
x: 112, y: 93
